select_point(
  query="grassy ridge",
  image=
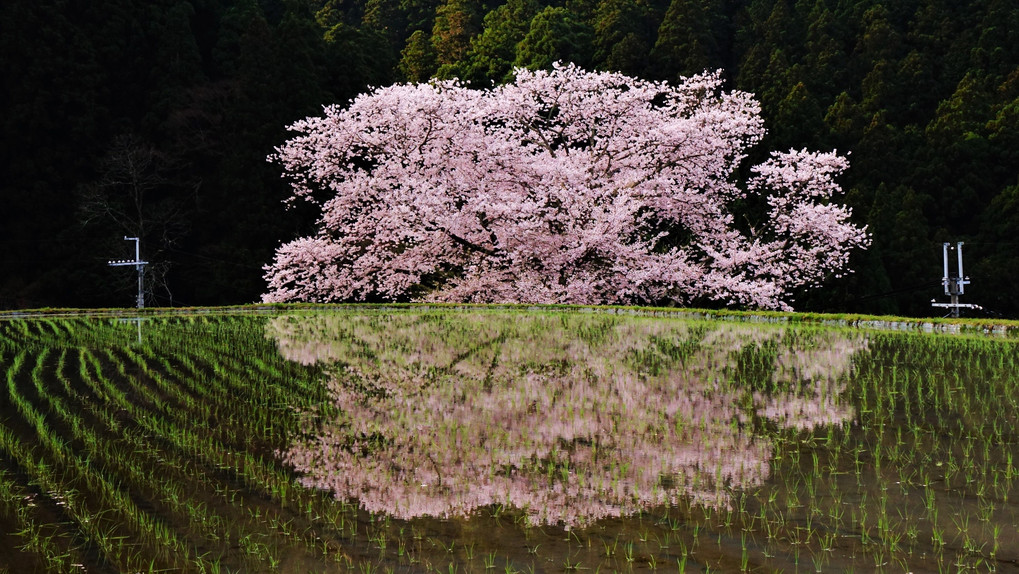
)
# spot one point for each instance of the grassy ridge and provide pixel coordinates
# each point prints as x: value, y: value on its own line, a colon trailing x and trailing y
x: 965, y: 325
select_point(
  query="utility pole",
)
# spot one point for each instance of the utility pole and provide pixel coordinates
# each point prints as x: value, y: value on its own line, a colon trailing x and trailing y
x: 138, y: 264
x: 954, y: 286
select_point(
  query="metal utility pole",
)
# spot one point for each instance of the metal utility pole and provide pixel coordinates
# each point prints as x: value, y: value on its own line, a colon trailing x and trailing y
x: 138, y: 264
x: 954, y: 286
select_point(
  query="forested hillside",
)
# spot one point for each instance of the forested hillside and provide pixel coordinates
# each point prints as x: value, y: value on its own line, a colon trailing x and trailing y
x: 154, y: 118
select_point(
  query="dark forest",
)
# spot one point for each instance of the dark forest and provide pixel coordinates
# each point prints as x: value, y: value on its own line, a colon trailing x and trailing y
x: 154, y: 118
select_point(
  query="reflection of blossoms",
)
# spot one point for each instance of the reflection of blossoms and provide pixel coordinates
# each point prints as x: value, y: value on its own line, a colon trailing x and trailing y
x: 572, y: 418
x: 803, y: 412
x: 818, y: 369
x: 807, y: 377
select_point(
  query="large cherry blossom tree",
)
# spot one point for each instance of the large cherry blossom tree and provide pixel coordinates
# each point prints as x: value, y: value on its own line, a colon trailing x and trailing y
x: 564, y: 186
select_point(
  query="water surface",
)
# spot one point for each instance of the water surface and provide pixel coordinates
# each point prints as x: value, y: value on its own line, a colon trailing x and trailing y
x: 502, y: 441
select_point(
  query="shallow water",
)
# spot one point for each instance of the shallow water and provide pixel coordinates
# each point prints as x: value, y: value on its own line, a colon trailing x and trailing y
x: 502, y: 441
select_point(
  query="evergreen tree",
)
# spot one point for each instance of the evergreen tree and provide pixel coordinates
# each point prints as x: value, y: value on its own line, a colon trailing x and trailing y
x: 825, y: 56
x: 995, y: 254
x: 844, y: 121
x: 959, y: 156
x: 456, y: 23
x: 385, y: 17
x: 492, y: 53
x: 554, y: 36
x: 908, y: 256
x: 621, y: 41
x: 996, y: 51
x: 687, y: 40
x: 771, y: 43
x: 55, y: 113
x: 799, y: 118
x: 420, y: 14
x: 417, y: 60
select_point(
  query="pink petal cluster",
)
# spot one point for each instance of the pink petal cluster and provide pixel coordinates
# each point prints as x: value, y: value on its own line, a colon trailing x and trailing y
x: 564, y: 186
x: 560, y: 416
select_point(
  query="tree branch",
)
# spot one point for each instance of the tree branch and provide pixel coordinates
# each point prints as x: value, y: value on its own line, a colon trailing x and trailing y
x: 468, y: 244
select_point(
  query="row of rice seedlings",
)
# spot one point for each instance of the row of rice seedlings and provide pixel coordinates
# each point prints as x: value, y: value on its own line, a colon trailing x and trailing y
x: 134, y: 460
x: 315, y: 508
x: 202, y: 520
x: 226, y: 416
x: 250, y: 379
x: 42, y: 542
x: 28, y: 515
x: 118, y: 394
x: 58, y: 462
x: 280, y: 484
x: 45, y: 541
x: 97, y: 447
x: 113, y: 457
x: 47, y: 329
x: 193, y: 404
x: 206, y: 523
x: 57, y: 332
x: 111, y: 392
x: 859, y: 495
x: 212, y: 366
x: 173, y: 422
x: 184, y: 372
x: 245, y: 366
x: 15, y: 335
x: 179, y: 359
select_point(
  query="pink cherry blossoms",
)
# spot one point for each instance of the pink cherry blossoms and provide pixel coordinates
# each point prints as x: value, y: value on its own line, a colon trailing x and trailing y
x: 564, y: 186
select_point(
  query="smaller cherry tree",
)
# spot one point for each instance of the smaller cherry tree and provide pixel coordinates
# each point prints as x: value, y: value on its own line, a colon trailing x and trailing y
x: 565, y: 186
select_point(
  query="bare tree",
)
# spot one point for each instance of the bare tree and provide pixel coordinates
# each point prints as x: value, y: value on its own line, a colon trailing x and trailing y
x: 136, y: 196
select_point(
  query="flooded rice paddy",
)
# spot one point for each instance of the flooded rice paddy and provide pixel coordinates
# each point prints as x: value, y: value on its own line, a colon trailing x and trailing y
x: 373, y: 440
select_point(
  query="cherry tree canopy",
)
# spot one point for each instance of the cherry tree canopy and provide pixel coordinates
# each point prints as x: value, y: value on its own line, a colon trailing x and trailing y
x: 564, y: 186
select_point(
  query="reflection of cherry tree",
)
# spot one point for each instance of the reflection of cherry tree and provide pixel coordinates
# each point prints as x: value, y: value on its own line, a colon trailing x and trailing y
x: 571, y: 418
x: 805, y: 376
